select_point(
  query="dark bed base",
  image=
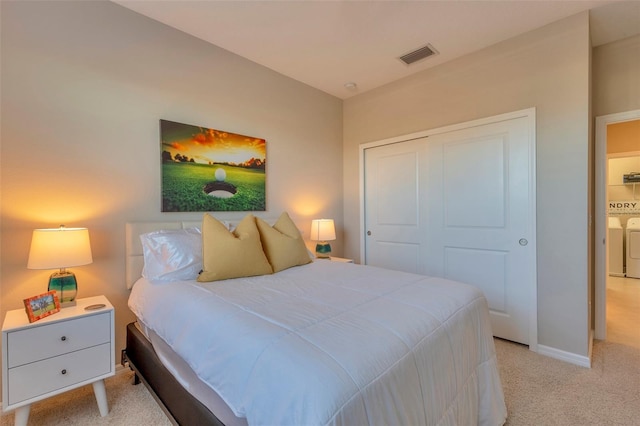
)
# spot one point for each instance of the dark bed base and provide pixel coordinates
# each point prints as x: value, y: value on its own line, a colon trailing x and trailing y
x: 178, y: 404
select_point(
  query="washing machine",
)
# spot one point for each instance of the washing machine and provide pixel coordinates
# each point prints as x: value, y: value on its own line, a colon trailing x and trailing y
x: 615, y: 248
x: 633, y: 247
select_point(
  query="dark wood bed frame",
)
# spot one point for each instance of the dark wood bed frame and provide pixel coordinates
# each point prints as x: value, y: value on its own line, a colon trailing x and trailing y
x: 178, y: 404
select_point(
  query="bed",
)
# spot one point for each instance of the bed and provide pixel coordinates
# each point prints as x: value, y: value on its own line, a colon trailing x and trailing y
x: 317, y: 343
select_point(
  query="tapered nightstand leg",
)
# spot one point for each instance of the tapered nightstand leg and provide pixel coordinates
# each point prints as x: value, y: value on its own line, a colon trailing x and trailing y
x: 22, y: 415
x: 101, y: 397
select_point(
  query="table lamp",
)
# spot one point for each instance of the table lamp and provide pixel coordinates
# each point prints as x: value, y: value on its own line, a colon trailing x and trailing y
x: 60, y: 248
x: 323, y: 230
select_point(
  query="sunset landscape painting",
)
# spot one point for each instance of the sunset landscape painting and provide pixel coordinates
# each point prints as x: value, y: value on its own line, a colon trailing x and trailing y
x: 211, y: 170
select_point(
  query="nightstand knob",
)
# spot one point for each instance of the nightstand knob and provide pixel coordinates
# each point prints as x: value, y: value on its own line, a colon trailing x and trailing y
x: 64, y: 371
x: 63, y: 338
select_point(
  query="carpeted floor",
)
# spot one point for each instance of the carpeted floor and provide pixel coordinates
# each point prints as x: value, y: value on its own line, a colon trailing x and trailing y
x: 538, y: 391
x: 128, y: 405
x: 544, y: 391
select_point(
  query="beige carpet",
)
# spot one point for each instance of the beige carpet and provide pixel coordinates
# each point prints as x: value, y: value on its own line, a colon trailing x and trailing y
x: 128, y: 405
x: 538, y: 390
x: 544, y: 391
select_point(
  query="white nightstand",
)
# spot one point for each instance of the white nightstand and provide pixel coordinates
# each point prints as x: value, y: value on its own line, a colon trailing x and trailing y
x: 340, y: 259
x: 69, y: 349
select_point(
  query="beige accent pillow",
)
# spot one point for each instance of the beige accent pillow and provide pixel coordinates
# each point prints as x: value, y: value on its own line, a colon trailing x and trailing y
x: 283, y: 243
x: 234, y: 254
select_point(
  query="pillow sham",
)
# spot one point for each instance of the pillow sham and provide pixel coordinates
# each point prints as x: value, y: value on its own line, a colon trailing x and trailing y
x: 283, y: 243
x: 234, y: 254
x: 172, y: 255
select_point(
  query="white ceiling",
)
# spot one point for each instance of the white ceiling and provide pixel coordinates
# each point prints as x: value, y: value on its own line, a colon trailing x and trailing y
x: 326, y: 44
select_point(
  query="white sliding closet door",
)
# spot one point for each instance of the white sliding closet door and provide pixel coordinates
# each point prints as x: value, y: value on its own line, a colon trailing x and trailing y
x: 396, y: 231
x: 459, y: 204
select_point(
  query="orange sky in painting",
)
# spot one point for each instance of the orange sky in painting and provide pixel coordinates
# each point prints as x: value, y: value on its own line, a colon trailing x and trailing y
x: 211, y: 145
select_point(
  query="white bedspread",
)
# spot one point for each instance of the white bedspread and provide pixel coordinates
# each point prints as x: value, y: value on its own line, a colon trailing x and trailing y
x: 334, y: 343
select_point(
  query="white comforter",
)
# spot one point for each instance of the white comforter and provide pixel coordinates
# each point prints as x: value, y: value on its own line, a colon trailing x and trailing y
x: 334, y: 343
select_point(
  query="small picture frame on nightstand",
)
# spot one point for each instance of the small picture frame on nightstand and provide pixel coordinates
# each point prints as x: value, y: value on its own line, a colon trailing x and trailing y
x: 42, y: 305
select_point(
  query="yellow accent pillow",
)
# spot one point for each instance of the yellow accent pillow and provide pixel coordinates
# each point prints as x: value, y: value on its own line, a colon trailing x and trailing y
x: 283, y: 243
x: 231, y: 254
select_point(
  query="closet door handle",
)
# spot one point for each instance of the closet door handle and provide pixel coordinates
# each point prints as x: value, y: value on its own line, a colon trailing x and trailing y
x: 523, y: 242
x: 369, y: 233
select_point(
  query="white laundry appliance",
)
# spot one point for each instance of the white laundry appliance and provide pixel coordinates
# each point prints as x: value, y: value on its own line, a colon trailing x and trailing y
x: 616, y: 246
x: 633, y: 247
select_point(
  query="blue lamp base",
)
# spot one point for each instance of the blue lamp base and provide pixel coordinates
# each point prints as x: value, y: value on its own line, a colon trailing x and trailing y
x: 66, y: 286
x: 323, y: 250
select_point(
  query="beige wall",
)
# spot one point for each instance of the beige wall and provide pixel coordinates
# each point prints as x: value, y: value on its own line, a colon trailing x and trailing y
x: 548, y: 69
x: 616, y: 85
x: 616, y: 81
x: 625, y: 136
x: 84, y: 85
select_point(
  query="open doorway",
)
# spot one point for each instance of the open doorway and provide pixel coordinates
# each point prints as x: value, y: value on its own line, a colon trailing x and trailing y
x: 617, y: 298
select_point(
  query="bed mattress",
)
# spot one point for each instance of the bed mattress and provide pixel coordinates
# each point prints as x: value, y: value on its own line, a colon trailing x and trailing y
x: 333, y: 343
x: 189, y: 380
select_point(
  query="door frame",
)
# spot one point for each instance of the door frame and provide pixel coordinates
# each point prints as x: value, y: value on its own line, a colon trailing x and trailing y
x: 600, y: 320
x: 530, y: 115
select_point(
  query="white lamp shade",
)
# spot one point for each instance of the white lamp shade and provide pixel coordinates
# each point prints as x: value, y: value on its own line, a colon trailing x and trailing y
x: 322, y: 230
x: 59, y: 248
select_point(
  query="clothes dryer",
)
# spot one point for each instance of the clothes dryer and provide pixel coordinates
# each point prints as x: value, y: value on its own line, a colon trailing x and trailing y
x: 633, y: 247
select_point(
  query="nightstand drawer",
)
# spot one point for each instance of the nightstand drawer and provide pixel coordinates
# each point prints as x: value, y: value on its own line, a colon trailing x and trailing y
x: 49, y: 340
x: 39, y: 378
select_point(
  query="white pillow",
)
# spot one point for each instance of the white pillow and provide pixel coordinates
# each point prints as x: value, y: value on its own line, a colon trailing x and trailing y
x: 172, y: 255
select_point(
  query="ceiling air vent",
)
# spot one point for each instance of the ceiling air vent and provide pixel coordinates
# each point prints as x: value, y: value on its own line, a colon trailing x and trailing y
x: 418, y: 54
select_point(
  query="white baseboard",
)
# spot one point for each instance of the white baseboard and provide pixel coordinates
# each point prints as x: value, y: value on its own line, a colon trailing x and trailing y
x: 581, y: 360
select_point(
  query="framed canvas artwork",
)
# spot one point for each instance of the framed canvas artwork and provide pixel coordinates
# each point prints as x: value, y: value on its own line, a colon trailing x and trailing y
x: 211, y: 170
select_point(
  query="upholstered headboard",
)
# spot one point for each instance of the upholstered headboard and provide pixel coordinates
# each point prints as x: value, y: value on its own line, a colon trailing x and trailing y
x: 133, y: 230
x: 133, y: 250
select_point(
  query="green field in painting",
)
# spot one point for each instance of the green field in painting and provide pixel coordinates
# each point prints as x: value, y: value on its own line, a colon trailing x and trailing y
x: 183, y: 188
x: 49, y: 307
